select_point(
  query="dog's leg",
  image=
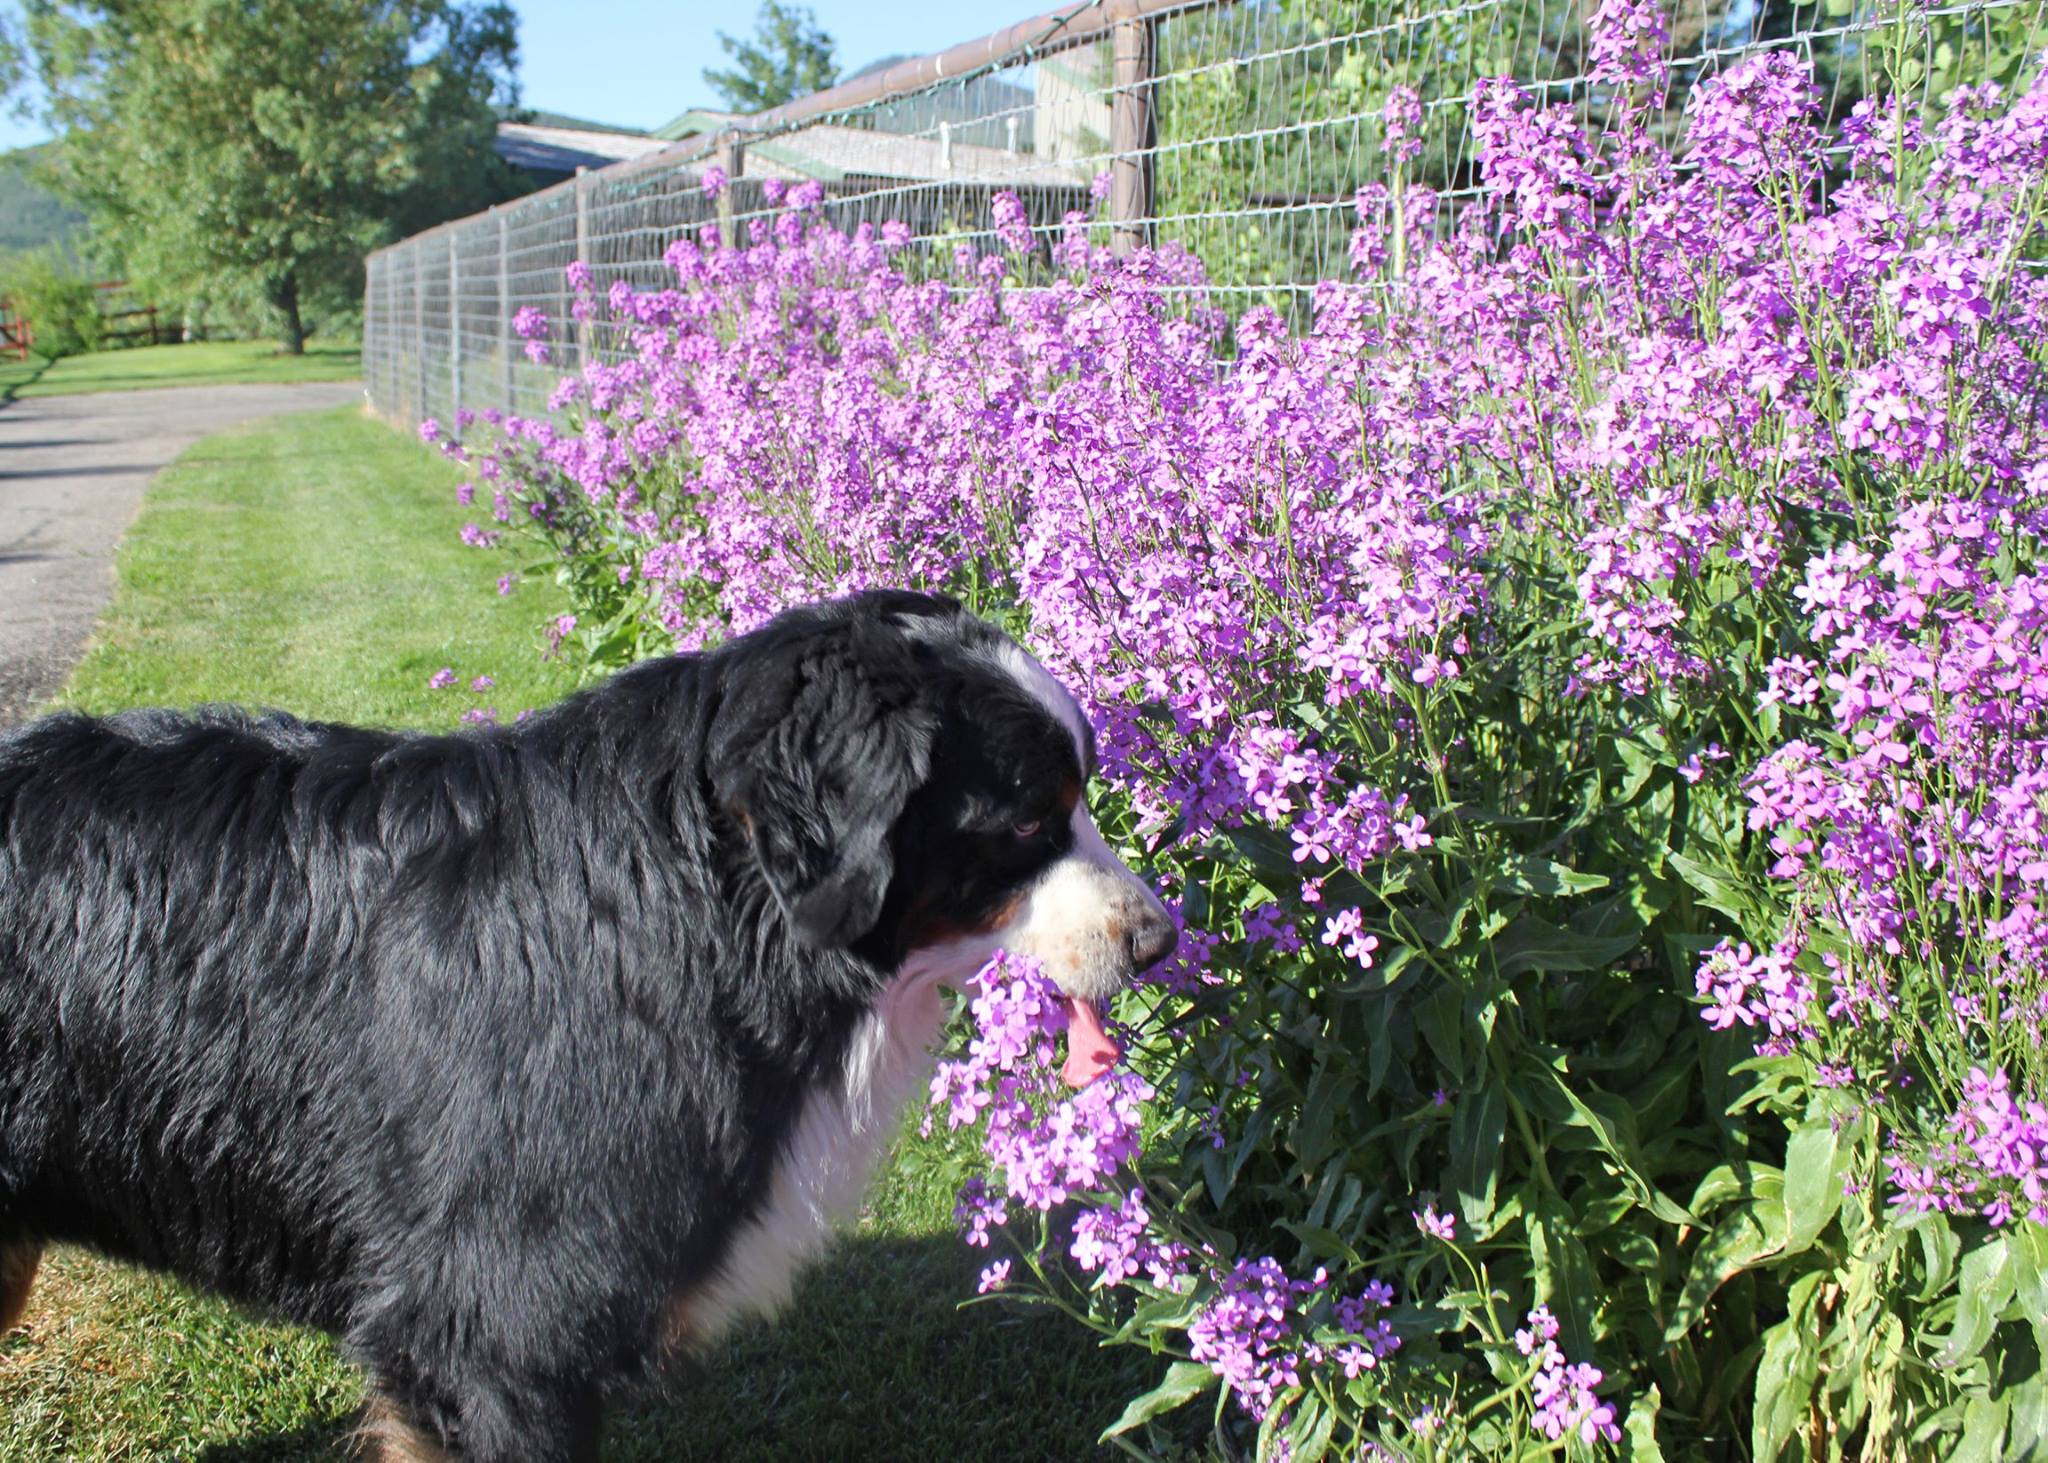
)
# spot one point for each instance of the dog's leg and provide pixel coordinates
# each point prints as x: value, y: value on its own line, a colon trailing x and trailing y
x: 571, y: 1435
x: 18, y: 1261
x: 387, y: 1437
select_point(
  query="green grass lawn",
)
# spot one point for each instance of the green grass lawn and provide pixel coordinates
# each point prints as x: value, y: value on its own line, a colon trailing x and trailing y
x: 203, y: 363
x: 311, y: 563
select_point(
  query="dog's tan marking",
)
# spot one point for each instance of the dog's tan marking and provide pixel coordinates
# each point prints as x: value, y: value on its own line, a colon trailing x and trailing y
x: 386, y: 1437
x: 18, y: 1262
x: 678, y: 1327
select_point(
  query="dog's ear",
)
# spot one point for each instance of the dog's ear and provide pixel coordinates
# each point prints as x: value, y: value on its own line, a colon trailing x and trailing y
x: 819, y: 740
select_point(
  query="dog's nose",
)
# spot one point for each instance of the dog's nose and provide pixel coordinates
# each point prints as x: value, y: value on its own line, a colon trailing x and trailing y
x: 1151, y: 939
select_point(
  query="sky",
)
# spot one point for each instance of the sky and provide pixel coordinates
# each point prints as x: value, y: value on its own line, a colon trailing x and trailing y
x: 639, y: 63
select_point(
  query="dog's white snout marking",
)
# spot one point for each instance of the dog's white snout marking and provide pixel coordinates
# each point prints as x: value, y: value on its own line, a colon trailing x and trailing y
x: 1091, y: 920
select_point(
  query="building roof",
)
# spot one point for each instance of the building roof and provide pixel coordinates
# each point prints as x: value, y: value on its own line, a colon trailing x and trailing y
x: 831, y: 154
x: 696, y: 120
x: 545, y: 149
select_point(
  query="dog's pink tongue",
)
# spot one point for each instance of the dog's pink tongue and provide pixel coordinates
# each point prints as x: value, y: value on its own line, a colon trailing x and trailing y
x: 1090, y: 1052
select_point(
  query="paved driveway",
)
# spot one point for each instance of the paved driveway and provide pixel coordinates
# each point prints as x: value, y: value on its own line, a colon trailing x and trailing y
x: 72, y: 471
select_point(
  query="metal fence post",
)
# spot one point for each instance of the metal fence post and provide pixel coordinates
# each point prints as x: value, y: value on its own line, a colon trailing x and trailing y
x: 419, y: 332
x: 1130, y: 133
x: 582, y: 254
x: 454, y: 325
x: 504, y: 322
x: 373, y: 268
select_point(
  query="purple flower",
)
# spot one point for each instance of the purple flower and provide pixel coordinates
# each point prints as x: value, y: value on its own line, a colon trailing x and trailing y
x: 1437, y: 1226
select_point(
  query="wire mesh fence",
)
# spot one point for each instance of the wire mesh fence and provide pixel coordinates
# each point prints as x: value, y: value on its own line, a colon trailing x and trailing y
x: 1242, y: 131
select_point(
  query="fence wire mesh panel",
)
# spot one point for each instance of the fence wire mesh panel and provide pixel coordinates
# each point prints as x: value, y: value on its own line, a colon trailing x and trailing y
x: 1243, y: 132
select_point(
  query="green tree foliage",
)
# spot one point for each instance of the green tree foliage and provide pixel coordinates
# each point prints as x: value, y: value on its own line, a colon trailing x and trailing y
x: 11, y: 57
x: 788, y: 57
x: 249, y: 152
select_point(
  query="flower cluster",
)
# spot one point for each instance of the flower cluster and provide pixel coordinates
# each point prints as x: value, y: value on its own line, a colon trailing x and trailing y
x: 1669, y: 448
x: 1046, y: 1145
x: 1047, y: 1149
x: 1566, y: 1402
x: 1995, y: 1164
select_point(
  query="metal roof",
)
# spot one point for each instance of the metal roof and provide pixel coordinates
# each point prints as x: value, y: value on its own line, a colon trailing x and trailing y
x: 565, y: 149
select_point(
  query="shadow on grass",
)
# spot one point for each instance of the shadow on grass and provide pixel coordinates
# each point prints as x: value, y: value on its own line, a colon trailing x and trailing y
x: 875, y: 1359
x: 11, y: 391
x: 232, y: 375
x: 324, y: 1443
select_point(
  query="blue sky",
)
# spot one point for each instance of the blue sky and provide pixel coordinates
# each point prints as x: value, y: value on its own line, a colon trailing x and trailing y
x: 637, y: 63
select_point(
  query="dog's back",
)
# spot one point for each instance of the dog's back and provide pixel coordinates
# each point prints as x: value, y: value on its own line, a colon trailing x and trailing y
x: 163, y: 879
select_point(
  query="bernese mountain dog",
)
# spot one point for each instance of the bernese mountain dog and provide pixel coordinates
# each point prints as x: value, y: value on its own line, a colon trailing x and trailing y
x: 524, y: 1059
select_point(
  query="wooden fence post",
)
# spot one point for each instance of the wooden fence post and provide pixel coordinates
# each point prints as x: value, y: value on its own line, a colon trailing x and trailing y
x: 1130, y: 133
x: 732, y: 159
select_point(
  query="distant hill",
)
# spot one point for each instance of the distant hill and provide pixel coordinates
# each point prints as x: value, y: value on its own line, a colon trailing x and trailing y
x: 30, y: 214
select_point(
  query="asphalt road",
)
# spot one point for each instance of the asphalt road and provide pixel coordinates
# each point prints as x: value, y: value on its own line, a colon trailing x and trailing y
x: 72, y: 472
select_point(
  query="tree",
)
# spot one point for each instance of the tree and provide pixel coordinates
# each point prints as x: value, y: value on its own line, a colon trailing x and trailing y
x: 256, y: 149
x: 788, y: 57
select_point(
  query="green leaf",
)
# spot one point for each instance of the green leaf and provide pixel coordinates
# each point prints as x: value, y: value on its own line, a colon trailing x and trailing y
x: 1527, y: 874
x: 1185, y: 1381
x: 1983, y: 1291
x: 1441, y: 1017
x: 1322, y: 1243
x: 1314, y: 1426
x: 1743, y: 1237
x: 1536, y: 944
x: 1327, y: 1101
x: 1815, y: 1160
x: 1983, y: 1430
x: 1718, y: 1187
x: 2027, y: 1424
x: 1477, y: 1131
x: 1619, y: 1144
x: 1940, y: 1248
x: 1271, y: 853
x: 1563, y: 1273
x: 2029, y: 1246
x: 1160, y: 1313
x: 1785, y: 1376
x: 1716, y: 890
x: 1640, y: 1431
x: 1379, y: 1053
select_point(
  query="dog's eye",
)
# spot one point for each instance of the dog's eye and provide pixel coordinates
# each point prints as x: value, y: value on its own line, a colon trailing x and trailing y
x: 1027, y: 830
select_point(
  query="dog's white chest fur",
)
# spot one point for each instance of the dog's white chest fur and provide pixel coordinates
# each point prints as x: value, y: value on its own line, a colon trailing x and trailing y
x: 831, y: 1154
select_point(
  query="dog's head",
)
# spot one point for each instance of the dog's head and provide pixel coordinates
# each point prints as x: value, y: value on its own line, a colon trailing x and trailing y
x: 911, y: 784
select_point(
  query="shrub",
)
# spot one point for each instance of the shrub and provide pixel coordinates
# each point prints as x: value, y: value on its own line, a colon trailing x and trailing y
x: 1586, y: 699
x: 57, y: 301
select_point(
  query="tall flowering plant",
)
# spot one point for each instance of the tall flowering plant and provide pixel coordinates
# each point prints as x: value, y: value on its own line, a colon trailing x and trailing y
x: 1583, y: 697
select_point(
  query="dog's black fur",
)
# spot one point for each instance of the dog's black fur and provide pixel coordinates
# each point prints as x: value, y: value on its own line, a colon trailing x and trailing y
x: 475, y: 1050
